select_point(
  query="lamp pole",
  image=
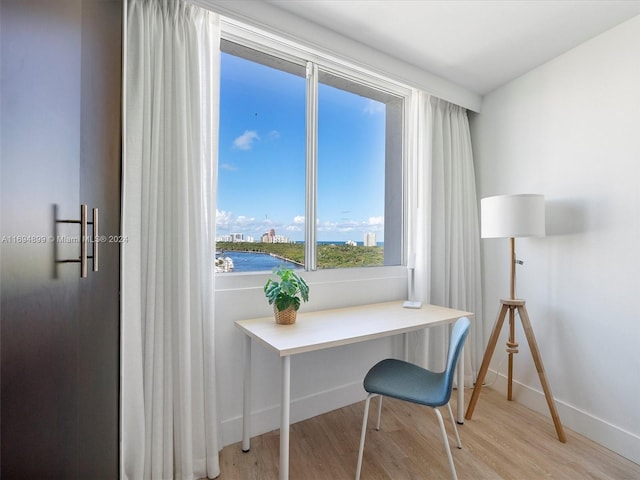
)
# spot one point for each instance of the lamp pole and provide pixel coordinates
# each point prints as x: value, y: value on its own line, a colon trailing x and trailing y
x: 510, y: 216
x: 512, y: 345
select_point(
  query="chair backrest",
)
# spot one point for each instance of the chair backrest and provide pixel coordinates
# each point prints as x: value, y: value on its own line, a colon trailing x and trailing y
x: 458, y: 336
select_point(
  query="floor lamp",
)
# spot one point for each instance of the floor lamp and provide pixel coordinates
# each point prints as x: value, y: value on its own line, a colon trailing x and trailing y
x: 511, y: 216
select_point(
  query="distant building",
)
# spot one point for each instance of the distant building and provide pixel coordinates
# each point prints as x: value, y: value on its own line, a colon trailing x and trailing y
x: 351, y: 243
x: 271, y: 237
x: 370, y: 239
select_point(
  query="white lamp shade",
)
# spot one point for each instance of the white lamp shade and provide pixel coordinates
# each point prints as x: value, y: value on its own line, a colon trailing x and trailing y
x: 506, y: 216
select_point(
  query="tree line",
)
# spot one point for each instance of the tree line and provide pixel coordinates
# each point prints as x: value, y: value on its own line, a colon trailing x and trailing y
x: 328, y: 255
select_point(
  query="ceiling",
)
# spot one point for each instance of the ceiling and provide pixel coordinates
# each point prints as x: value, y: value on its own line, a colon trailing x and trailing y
x: 478, y: 44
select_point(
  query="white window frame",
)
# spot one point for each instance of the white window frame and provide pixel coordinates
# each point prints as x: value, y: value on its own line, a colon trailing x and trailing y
x: 313, y: 59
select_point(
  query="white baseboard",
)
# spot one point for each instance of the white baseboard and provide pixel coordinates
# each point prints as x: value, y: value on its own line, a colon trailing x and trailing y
x: 302, y: 408
x: 614, y: 438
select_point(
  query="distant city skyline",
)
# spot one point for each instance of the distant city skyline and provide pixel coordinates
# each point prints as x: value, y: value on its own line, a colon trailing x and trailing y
x: 261, y: 167
x: 369, y: 239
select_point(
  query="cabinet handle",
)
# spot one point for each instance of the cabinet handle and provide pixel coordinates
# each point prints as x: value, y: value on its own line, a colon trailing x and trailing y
x: 84, y: 239
x: 96, y: 239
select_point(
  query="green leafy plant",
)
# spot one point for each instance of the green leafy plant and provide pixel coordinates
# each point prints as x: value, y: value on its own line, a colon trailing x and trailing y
x: 288, y: 291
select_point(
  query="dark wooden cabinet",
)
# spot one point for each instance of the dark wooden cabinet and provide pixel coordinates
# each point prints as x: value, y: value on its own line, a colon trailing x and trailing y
x: 60, y: 125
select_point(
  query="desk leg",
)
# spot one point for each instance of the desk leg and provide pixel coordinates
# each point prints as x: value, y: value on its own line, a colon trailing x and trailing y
x: 284, y: 421
x: 405, y: 346
x: 461, y: 387
x: 246, y: 400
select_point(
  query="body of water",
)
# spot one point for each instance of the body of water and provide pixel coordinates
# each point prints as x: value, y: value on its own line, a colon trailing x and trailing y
x: 256, y: 262
x: 263, y: 262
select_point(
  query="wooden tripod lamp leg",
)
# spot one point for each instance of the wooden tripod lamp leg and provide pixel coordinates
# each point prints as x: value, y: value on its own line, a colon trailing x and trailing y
x: 512, y: 348
x: 537, y: 359
x: 491, y: 346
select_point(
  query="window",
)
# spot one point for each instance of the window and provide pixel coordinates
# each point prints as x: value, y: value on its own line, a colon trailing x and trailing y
x: 310, y: 166
x: 359, y: 188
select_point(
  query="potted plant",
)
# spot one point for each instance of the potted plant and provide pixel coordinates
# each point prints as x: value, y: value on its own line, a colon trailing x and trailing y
x: 286, y: 294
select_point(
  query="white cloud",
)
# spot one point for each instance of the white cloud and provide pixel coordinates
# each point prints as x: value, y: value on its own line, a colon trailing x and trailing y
x: 227, y: 222
x: 244, y: 220
x: 344, y: 226
x: 228, y: 166
x: 373, y: 224
x: 223, y: 218
x: 245, y: 141
x: 273, y: 135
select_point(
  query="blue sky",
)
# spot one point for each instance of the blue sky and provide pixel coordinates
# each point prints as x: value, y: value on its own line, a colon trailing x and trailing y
x: 261, y: 166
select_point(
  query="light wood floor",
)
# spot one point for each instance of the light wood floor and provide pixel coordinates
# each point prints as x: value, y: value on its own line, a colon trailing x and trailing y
x: 504, y: 440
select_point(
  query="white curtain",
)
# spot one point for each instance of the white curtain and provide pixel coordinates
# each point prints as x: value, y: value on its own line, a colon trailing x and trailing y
x: 444, y: 231
x: 169, y: 419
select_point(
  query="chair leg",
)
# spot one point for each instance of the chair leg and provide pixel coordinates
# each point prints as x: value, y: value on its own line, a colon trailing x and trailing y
x: 379, y: 413
x: 363, y: 434
x: 455, y: 427
x: 446, y: 444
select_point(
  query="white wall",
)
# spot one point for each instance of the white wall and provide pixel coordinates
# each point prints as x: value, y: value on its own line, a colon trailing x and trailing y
x: 320, y: 381
x: 570, y: 129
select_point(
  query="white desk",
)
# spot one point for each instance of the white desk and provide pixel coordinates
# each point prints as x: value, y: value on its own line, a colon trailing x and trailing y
x: 331, y: 328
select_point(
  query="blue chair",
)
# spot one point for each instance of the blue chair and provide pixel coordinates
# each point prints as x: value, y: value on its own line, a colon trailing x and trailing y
x: 411, y: 383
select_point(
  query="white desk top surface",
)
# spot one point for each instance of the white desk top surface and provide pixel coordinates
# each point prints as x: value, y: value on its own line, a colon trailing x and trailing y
x: 342, y: 326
